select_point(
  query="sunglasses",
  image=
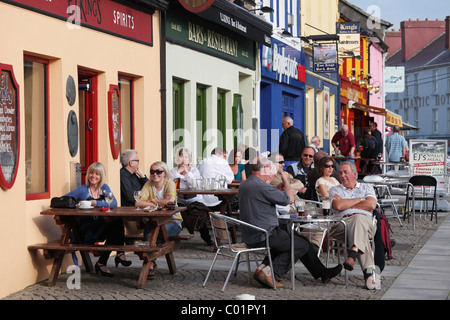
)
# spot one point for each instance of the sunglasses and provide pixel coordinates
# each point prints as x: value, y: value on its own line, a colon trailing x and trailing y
x: 157, y: 171
x: 308, y: 155
x: 329, y: 166
x: 280, y: 162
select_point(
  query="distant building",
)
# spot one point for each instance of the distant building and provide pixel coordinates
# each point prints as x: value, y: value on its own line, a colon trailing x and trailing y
x: 423, y: 49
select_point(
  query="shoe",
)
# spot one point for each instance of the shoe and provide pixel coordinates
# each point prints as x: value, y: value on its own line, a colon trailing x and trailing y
x: 98, y: 269
x: 151, y: 272
x: 329, y: 273
x: 370, y: 283
x: 117, y: 260
x: 266, y: 280
x: 209, y: 242
x: 349, y: 264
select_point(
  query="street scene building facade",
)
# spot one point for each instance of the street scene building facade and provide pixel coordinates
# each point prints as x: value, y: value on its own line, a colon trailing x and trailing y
x: 83, y: 81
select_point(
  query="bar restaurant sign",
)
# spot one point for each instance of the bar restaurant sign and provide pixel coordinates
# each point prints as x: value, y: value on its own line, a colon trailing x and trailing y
x: 191, y: 31
x: 9, y: 126
x: 102, y: 15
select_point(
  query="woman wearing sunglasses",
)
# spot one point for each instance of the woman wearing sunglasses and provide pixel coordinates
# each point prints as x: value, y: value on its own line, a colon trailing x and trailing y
x: 326, y: 181
x: 159, y: 191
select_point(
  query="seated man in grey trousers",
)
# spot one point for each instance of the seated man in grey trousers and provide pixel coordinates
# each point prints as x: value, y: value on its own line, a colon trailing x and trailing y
x: 355, y: 202
x: 257, y: 204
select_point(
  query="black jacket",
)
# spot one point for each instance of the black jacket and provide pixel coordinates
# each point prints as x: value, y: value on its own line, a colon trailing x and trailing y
x: 292, y: 143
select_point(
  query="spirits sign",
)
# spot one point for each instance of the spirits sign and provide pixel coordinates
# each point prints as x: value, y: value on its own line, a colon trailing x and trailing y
x: 9, y: 126
x: 106, y: 16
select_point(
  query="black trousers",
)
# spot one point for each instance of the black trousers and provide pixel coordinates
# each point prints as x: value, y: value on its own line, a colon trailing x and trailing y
x: 96, y: 230
x: 280, y: 250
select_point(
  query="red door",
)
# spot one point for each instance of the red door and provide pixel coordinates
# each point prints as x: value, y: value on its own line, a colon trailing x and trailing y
x: 88, y: 119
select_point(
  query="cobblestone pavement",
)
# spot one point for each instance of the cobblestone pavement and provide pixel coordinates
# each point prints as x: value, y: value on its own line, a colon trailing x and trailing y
x: 186, y: 284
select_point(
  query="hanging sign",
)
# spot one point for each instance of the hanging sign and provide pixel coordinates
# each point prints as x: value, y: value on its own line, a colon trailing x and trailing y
x: 325, y: 58
x: 114, y: 119
x: 9, y: 126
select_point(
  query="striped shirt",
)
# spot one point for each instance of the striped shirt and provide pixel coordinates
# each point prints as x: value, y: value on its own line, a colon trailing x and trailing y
x: 149, y: 192
x: 361, y: 190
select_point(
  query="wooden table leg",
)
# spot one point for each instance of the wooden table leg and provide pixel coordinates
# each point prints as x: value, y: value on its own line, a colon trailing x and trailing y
x: 56, y: 267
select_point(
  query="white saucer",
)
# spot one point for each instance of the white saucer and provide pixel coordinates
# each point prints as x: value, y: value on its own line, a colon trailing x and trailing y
x: 86, y: 208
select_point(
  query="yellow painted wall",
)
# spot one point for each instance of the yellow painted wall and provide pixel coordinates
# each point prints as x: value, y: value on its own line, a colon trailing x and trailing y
x: 27, y: 32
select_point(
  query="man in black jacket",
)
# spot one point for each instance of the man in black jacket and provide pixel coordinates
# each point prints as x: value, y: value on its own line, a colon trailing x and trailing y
x: 379, y: 138
x: 131, y: 177
x: 292, y: 142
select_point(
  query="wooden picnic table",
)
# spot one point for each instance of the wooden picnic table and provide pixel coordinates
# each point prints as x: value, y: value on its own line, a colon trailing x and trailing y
x: 68, y: 218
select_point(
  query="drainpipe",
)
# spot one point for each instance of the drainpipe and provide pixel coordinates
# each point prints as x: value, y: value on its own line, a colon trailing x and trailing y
x: 163, y: 89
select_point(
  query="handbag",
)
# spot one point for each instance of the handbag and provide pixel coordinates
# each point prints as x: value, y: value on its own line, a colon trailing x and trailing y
x: 63, y: 202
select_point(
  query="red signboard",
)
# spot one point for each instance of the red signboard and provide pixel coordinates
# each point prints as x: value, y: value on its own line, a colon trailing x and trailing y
x: 102, y: 15
x: 196, y: 5
x: 114, y: 119
x: 9, y: 126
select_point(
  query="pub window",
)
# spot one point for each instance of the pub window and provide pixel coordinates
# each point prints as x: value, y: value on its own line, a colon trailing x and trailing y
x: 221, y: 117
x: 126, y: 87
x: 36, y: 128
x: 178, y: 111
x: 201, y: 121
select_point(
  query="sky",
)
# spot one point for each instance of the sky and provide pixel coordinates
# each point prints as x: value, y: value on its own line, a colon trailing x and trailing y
x: 395, y: 11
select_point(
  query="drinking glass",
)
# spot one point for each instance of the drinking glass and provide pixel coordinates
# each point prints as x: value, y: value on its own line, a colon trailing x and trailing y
x: 109, y: 199
x: 137, y: 198
x: 300, y: 205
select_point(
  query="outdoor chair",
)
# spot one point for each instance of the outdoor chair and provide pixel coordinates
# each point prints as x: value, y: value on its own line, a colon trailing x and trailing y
x: 421, y: 188
x: 221, y: 225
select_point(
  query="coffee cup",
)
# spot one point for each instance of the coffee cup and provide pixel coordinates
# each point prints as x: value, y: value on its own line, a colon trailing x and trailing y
x: 85, y: 204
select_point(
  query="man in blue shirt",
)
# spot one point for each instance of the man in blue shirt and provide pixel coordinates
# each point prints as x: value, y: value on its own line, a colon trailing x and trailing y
x: 396, y: 146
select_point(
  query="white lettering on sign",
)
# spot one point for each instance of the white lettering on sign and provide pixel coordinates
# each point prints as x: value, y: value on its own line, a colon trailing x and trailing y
x: 277, y: 61
x: 123, y: 19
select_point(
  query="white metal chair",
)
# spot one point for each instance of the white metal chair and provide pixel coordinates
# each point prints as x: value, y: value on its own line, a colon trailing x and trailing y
x: 220, y: 226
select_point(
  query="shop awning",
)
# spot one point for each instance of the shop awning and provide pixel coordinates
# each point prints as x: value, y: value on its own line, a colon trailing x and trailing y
x: 239, y: 20
x: 367, y: 108
x: 393, y: 119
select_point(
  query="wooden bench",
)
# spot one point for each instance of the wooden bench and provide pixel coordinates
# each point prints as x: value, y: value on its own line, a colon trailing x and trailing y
x: 56, y: 251
x: 129, y: 239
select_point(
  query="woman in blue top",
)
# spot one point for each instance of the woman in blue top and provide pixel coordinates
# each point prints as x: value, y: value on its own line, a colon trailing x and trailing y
x: 95, y: 229
x: 236, y: 166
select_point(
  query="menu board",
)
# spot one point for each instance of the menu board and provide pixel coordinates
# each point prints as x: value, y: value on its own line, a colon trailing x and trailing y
x: 428, y: 157
x: 9, y: 126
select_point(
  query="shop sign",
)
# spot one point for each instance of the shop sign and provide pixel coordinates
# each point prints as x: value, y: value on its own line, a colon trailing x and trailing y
x: 325, y: 58
x: 106, y: 16
x: 114, y: 119
x: 282, y: 62
x: 349, y: 38
x: 196, y: 33
x: 428, y: 156
x: 196, y: 5
x: 393, y: 119
x: 9, y: 126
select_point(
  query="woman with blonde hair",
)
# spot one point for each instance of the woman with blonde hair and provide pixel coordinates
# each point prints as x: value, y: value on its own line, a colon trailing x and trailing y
x: 159, y: 191
x: 96, y: 229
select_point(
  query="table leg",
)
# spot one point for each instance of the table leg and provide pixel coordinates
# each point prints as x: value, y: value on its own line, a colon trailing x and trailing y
x: 56, y: 267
